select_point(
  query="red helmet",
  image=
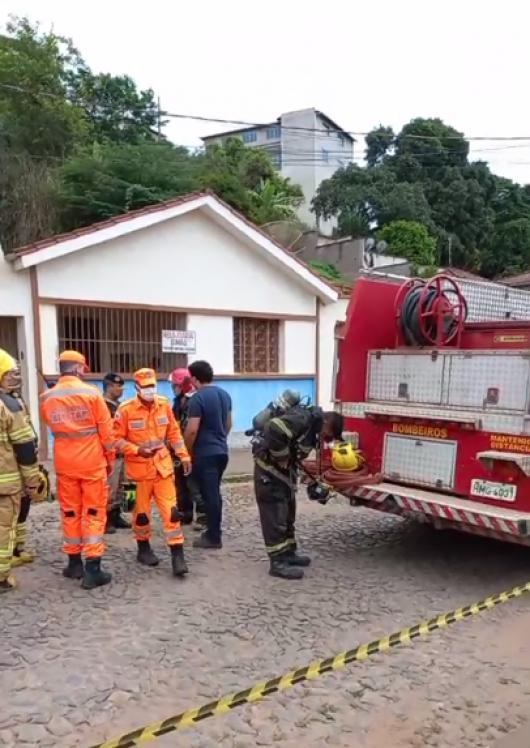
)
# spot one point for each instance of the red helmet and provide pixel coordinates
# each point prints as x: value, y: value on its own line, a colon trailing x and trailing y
x: 181, y: 378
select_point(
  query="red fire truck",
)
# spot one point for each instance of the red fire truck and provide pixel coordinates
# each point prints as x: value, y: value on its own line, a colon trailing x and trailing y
x: 433, y: 378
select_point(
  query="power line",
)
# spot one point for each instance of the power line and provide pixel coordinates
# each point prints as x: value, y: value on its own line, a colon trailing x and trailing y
x: 247, y: 124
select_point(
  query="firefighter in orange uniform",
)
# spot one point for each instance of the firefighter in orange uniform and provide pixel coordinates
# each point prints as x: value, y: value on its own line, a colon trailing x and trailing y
x: 144, y: 426
x: 84, y: 455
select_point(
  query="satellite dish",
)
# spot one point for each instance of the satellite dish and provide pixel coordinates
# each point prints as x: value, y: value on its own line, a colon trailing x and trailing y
x: 380, y: 247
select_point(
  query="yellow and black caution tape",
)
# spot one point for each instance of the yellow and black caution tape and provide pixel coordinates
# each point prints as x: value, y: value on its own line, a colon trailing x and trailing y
x: 280, y: 683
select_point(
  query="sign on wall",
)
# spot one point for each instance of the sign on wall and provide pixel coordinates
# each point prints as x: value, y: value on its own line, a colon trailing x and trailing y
x: 178, y: 341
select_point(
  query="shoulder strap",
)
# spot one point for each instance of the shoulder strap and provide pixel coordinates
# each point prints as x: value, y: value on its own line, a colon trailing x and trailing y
x: 11, y: 403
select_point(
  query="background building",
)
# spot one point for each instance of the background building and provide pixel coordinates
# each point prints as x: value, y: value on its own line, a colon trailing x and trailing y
x: 163, y: 286
x: 306, y: 146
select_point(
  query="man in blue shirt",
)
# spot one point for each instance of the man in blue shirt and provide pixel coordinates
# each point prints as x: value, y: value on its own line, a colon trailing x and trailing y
x: 209, y: 423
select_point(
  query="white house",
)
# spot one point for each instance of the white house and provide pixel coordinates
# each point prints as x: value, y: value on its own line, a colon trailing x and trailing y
x: 191, y: 266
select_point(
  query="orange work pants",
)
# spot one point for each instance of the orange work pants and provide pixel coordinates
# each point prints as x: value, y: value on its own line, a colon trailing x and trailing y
x: 162, y: 490
x: 83, y: 502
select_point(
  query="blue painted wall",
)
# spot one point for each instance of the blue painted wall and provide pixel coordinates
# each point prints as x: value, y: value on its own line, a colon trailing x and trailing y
x: 248, y: 395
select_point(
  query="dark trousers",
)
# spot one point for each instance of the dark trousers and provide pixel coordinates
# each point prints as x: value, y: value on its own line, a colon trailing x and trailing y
x: 189, y: 496
x: 208, y: 473
x: 277, y: 512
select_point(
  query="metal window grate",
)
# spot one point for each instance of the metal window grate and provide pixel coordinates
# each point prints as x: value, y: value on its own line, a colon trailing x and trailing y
x: 119, y: 340
x: 256, y: 346
x: 9, y: 335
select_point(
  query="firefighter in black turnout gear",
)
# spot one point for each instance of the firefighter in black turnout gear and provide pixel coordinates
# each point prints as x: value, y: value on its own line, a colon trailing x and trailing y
x: 283, y: 441
x: 189, y: 499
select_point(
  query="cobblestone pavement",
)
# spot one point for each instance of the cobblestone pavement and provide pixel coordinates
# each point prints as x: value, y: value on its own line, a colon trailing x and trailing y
x: 77, y: 667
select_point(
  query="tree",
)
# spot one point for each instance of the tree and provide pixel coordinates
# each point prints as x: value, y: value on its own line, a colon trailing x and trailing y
x: 410, y: 240
x: 38, y: 126
x: 423, y: 174
x: 113, y: 178
x: 247, y: 180
x: 115, y: 108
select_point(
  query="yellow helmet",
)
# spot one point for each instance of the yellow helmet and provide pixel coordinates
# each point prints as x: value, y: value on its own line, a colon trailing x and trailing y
x: 43, y: 491
x: 345, y: 458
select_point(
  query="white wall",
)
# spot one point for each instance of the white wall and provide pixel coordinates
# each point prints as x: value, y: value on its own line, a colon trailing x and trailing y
x: 187, y: 262
x: 299, y: 347
x: 329, y: 315
x: 215, y: 341
x: 15, y: 301
x: 49, y: 338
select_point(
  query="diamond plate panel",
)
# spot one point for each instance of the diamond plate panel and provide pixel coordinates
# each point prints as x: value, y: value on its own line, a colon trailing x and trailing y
x: 405, y: 377
x: 429, y: 462
x: 492, y: 381
x: 492, y: 302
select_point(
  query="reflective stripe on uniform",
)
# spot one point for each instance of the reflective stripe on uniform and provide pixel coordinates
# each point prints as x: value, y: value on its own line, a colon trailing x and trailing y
x: 8, y: 477
x: 136, y: 424
x: 178, y: 445
x: 75, y: 434
x: 24, y: 434
x: 162, y: 420
x: 151, y: 443
x: 274, y: 550
x: 72, y: 541
x: 173, y: 534
x: 273, y: 471
x: 281, y: 425
x: 143, y: 531
x: 93, y: 539
x: 57, y: 391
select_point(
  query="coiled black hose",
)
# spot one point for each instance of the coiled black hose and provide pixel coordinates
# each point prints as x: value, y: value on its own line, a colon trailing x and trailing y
x: 410, y: 317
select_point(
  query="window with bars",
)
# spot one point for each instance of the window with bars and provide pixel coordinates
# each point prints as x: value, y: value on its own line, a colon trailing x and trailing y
x: 256, y: 346
x: 9, y: 335
x: 119, y: 340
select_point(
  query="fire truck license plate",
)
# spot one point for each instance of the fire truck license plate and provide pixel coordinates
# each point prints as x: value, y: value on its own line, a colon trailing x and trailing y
x: 489, y: 490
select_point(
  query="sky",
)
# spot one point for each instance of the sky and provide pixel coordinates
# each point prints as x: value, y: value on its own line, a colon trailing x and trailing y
x: 363, y: 63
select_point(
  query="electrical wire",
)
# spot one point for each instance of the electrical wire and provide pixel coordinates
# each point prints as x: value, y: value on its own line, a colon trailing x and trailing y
x: 246, y: 123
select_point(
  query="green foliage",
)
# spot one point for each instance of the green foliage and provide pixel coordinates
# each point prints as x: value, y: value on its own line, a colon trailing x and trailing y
x: 423, y: 174
x: 410, y: 240
x: 78, y: 147
x: 326, y: 270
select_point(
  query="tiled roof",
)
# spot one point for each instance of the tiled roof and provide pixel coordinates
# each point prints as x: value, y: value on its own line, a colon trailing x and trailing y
x: 464, y: 274
x: 158, y: 208
x: 522, y: 279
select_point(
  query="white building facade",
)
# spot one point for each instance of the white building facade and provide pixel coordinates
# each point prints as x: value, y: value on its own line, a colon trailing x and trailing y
x: 306, y: 146
x: 190, y: 268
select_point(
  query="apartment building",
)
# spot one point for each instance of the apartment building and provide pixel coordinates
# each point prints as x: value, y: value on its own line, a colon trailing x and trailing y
x: 306, y: 146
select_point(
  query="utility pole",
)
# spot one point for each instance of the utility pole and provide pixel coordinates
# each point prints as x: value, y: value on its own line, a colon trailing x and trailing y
x: 159, y: 120
x: 450, y: 253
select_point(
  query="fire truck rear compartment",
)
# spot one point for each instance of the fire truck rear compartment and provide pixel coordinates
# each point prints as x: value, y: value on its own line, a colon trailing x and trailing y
x: 424, y: 461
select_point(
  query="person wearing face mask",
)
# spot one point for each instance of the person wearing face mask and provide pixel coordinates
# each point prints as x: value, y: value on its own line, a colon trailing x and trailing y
x: 19, y: 467
x: 84, y: 456
x: 145, y: 427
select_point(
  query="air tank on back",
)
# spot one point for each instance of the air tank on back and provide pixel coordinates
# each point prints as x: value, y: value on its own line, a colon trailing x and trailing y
x: 286, y: 400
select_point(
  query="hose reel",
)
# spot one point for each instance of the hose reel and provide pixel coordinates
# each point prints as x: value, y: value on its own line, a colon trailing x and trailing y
x: 431, y: 313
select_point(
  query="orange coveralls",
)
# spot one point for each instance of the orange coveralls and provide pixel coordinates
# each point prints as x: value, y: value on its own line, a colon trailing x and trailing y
x: 83, y: 447
x: 137, y: 425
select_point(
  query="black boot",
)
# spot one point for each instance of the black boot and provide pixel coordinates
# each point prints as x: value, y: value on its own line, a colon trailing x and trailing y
x: 178, y: 562
x: 297, y: 559
x: 187, y: 518
x: 119, y: 521
x: 75, y: 568
x: 109, y: 527
x: 280, y: 567
x: 145, y: 555
x: 94, y: 577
